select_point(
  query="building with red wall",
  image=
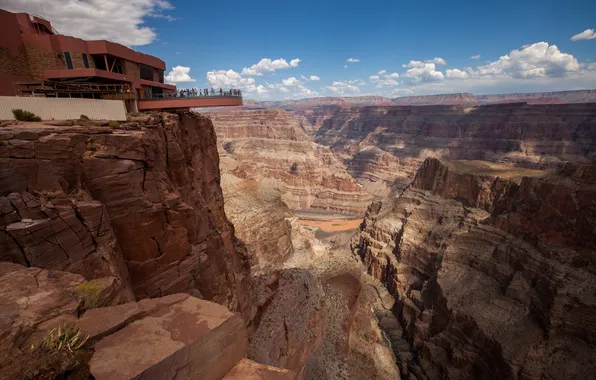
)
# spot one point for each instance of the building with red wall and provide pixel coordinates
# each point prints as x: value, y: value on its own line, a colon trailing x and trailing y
x: 32, y: 51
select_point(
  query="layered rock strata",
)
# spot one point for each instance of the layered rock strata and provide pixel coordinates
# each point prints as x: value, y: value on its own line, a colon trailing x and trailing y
x: 88, y: 198
x: 523, y: 135
x: 493, y: 278
x: 272, y: 146
x: 310, y: 313
x: 272, y: 233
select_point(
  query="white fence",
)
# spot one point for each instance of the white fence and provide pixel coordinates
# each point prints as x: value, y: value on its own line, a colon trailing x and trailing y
x: 63, y: 108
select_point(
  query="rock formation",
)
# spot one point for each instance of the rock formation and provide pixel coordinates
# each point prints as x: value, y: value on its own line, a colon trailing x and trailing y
x: 140, y: 202
x: 271, y: 146
x: 530, y: 136
x: 493, y: 277
x: 272, y: 233
x: 299, y: 105
x: 310, y: 313
x: 172, y: 337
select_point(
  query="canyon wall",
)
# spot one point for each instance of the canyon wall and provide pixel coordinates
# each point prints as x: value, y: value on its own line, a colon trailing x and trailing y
x: 139, y: 201
x: 530, y: 136
x: 310, y: 313
x: 493, y: 277
x: 557, y: 97
x: 271, y: 146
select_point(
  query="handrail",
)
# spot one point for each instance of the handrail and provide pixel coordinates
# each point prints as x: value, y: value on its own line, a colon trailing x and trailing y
x: 181, y: 96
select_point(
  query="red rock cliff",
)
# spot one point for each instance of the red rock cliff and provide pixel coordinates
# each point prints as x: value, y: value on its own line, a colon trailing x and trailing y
x: 142, y: 202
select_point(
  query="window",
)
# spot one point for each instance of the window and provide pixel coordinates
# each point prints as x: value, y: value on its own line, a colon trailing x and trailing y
x: 146, y: 72
x: 160, y: 75
x: 68, y: 60
x: 99, y: 61
x: 85, y: 61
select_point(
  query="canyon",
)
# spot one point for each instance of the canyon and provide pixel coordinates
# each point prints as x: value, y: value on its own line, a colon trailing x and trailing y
x: 271, y: 146
x: 342, y: 238
x: 490, y: 275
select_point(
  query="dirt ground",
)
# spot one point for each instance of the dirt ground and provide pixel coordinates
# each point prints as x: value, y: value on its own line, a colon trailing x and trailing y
x: 332, y: 225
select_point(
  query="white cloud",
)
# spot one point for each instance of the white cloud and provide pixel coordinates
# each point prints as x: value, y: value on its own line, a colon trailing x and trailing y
x: 475, y: 56
x: 179, y: 74
x: 423, y: 64
x: 345, y: 66
x: 535, y: 67
x: 230, y: 78
x: 587, y: 34
x: 290, y: 82
x: 437, y: 61
x: 536, y: 60
x: 423, y: 72
x: 353, y: 60
x: 267, y: 65
x: 312, y: 77
x: 113, y: 20
x: 345, y: 87
x: 382, y: 79
x: 456, y: 74
x: 291, y: 88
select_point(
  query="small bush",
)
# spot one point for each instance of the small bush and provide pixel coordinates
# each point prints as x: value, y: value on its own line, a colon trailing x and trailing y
x: 92, y: 148
x: 114, y: 124
x: 22, y: 115
x: 90, y: 292
x: 84, y: 117
x: 66, y: 337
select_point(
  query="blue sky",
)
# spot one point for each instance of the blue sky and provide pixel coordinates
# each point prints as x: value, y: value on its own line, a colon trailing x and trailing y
x: 403, y: 48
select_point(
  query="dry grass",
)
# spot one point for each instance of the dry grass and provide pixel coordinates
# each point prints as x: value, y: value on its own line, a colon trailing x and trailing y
x: 65, y: 337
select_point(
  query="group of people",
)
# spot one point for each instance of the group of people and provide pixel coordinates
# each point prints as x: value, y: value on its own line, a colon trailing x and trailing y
x: 193, y: 92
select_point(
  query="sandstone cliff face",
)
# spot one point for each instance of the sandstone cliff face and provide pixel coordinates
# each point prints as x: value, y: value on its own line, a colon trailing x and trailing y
x: 380, y: 173
x: 272, y: 233
x: 490, y: 276
x: 271, y: 145
x: 142, y: 203
x: 530, y: 136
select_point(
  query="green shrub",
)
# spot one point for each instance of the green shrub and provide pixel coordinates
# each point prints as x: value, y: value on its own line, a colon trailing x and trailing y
x: 22, y: 115
x: 84, y: 117
x: 92, y: 148
x: 114, y: 124
x: 65, y: 337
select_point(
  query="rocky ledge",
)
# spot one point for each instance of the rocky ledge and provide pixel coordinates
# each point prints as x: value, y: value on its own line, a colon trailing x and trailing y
x: 172, y: 337
x: 493, y: 277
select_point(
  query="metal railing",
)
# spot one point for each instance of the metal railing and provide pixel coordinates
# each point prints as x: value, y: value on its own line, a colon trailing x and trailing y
x: 192, y: 95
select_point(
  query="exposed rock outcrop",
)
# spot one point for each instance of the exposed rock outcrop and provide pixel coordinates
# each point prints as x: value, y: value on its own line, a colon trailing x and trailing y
x: 490, y: 276
x: 146, y: 194
x: 172, y: 337
x: 272, y: 233
x: 379, y: 141
x: 271, y: 146
x: 310, y: 313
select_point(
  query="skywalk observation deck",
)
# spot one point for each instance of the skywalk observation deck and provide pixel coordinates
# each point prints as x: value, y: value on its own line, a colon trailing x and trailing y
x: 166, y: 101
